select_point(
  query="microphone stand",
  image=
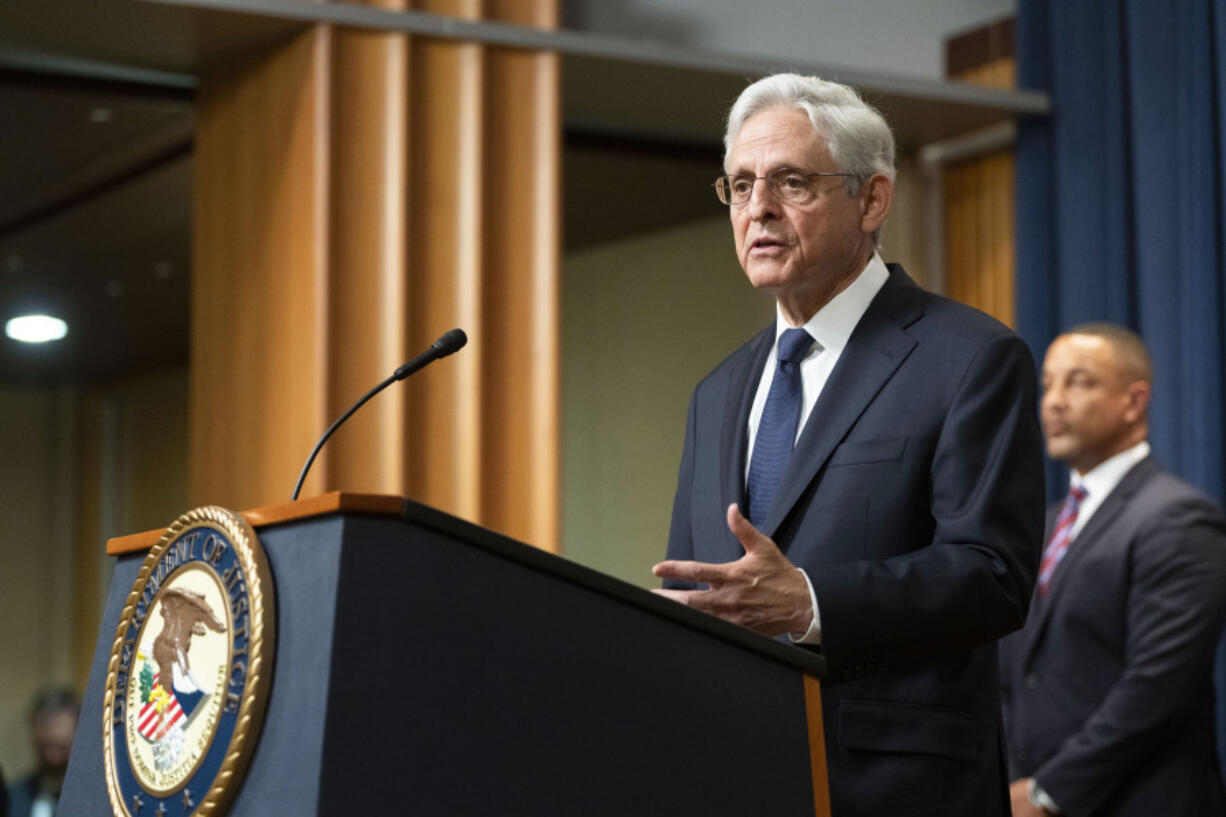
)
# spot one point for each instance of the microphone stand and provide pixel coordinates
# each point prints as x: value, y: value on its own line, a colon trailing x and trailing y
x: 448, y: 343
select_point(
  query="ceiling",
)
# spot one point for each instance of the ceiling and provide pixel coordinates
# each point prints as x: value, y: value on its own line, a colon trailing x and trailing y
x: 96, y: 168
x: 95, y: 196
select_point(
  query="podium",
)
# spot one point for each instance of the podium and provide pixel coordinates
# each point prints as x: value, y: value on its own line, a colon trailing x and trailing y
x: 427, y: 666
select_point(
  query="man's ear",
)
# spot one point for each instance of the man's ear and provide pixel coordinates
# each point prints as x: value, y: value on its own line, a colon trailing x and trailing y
x: 1138, y: 400
x: 876, y: 197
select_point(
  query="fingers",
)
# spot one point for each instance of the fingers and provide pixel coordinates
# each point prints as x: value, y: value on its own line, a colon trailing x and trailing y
x: 762, y: 590
x: 703, y: 572
x: 705, y: 601
x: 750, y: 537
x: 728, y: 604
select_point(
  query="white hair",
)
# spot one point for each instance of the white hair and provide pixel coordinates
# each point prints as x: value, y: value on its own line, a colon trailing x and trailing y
x: 857, y: 136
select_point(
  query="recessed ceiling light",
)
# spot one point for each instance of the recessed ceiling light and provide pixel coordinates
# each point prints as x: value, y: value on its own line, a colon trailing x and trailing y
x: 35, y: 328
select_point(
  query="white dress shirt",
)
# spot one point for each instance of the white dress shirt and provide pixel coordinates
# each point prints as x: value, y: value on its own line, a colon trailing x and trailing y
x: 1101, y: 481
x: 831, y: 327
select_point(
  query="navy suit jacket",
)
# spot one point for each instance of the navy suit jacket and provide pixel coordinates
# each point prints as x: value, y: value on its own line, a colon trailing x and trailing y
x: 914, y: 500
x: 1108, y: 690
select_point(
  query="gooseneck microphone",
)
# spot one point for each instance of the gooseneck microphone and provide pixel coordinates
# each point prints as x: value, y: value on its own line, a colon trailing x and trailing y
x: 450, y: 342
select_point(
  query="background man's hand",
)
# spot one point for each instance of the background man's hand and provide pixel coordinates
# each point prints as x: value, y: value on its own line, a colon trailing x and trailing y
x: 1019, y: 796
x: 762, y: 590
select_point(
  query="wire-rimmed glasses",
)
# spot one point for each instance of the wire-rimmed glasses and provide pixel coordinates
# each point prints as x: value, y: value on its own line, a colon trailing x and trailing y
x: 786, y: 184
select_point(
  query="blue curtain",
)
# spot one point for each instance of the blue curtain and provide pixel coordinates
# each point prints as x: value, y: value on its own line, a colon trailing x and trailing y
x: 1120, y: 205
x: 1120, y: 210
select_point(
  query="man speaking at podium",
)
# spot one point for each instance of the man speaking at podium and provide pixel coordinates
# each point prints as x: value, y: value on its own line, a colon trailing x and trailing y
x: 864, y: 476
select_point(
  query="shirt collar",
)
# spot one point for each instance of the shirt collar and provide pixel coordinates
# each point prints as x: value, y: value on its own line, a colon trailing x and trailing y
x: 833, y: 324
x: 1102, y: 479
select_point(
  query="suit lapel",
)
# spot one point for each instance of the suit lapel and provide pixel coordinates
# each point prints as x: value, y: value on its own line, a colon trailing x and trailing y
x: 877, y: 347
x: 1087, y: 538
x: 742, y: 386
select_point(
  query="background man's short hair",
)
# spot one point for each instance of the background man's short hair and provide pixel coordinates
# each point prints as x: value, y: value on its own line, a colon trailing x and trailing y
x: 1135, y: 363
x: 51, y: 700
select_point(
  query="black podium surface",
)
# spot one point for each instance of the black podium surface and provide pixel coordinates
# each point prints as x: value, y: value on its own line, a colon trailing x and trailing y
x: 428, y: 666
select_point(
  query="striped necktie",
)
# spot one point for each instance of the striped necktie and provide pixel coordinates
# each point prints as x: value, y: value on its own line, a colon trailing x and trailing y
x: 777, y: 428
x: 1060, y: 537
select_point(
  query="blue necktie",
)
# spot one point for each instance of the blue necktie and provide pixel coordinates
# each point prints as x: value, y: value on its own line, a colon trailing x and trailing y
x: 777, y: 429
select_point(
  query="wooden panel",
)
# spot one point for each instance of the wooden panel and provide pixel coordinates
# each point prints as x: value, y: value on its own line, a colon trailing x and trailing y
x: 988, y: 44
x: 979, y: 224
x: 979, y: 234
x: 411, y: 187
x: 996, y: 74
x: 484, y: 255
x: 257, y: 298
x: 366, y: 262
x: 817, y: 746
x: 520, y: 304
x: 445, y: 176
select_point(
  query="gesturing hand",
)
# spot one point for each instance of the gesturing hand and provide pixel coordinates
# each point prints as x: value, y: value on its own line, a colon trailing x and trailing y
x: 762, y: 590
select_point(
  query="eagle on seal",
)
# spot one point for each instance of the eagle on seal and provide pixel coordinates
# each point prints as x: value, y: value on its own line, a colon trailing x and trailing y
x: 186, y: 614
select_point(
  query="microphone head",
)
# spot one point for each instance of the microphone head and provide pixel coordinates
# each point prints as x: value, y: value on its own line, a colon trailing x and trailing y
x: 450, y: 342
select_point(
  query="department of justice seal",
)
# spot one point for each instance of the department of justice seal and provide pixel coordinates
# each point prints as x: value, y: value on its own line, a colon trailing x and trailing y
x: 190, y: 670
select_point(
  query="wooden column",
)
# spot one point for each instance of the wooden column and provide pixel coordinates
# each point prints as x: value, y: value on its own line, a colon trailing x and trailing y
x: 978, y: 217
x: 358, y: 194
x: 260, y: 326
x: 979, y: 246
x: 368, y: 279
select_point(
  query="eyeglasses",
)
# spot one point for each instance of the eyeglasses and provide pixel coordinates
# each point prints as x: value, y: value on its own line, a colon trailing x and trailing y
x: 785, y: 184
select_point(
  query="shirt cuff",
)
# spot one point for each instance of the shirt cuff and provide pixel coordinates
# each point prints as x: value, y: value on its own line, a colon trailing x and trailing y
x: 813, y: 635
x: 1041, y: 799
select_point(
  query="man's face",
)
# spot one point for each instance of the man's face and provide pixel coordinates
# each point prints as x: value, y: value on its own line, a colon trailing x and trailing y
x: 1089, y: 412
x: 786, y: 249
x: 53, y: 740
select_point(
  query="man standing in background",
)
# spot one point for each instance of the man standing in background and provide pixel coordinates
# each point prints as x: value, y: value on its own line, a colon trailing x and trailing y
x: 53, y: 723
x: 1107, y: 691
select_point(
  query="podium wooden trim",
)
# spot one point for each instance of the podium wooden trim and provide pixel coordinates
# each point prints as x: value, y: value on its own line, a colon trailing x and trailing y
x: 333, y: 502
x: 299, y: 524
x: 817, y: 746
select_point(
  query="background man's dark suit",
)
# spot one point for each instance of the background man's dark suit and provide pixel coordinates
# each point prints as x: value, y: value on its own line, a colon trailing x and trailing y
x: 1107, y: 691
x: 913, y: 499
